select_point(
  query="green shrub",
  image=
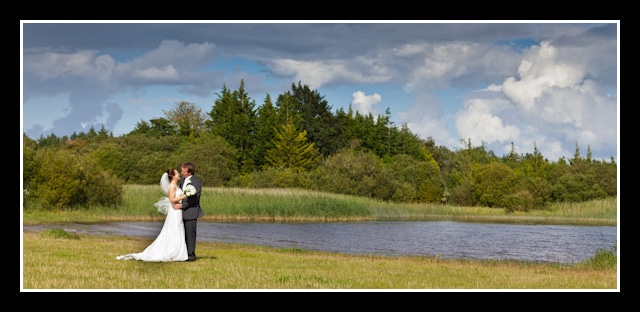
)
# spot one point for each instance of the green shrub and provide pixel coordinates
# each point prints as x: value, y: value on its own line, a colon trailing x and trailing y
x: 422, y: 175
x: 519, y: 201
x: 65, y: 179
x: 492, y: 183
x: 349, y: 172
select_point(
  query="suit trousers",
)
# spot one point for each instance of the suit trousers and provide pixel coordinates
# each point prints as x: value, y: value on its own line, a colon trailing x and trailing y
x: 190, y: 236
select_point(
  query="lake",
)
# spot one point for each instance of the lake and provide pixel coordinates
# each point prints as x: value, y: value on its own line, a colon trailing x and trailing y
x: 444, y: 239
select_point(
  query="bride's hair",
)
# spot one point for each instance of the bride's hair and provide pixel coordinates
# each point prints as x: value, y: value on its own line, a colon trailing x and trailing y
x: 171, y: 172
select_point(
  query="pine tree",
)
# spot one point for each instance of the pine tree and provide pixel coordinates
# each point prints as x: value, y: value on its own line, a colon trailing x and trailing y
x: 292, y: 150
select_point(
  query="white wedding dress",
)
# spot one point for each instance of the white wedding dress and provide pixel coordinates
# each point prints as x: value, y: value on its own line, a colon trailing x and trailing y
x: 170, y: 244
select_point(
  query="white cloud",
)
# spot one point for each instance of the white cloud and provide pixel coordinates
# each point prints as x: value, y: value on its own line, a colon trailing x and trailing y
x: 494, y: 88
x: 315, y: 74
x: 364, y: 103
x: 166, y: 73
x: 478, y: 123
x: 552, y: 103
x: 540, y: 72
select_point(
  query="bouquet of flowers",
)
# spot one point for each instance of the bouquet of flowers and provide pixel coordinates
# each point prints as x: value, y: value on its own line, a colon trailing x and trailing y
x: 189, y: 190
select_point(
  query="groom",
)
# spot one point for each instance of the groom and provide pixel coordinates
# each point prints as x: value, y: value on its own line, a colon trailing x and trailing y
x: 191, y: 210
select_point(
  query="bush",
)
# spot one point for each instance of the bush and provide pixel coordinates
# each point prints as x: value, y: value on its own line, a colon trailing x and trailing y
x: 422, y: 175
x: 519, y: 201
x: 64, y: 179
x: 349, y: 172
x: 492, y: 183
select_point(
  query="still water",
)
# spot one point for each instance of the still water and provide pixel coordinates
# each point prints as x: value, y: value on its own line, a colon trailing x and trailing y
x: 444, y: 239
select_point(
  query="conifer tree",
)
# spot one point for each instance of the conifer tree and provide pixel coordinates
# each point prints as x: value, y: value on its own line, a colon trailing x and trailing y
x: 265, y: 130
x: 316, y: 117
x: 234, y: 118
x: 291, y: 150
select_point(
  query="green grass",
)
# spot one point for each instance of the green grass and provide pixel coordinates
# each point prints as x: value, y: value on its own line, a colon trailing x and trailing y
x: 59, y: 233
x: 57, y: 263
x: 603, y: 259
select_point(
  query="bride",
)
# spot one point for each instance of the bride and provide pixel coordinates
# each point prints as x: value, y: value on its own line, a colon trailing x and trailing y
x: 170, y: 244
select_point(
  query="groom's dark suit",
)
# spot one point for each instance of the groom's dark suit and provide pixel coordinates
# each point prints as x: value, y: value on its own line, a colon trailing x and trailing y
x: 191, y: 211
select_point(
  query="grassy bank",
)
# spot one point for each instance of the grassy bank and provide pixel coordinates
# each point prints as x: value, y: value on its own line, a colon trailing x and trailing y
x: 59, y: 260
x: 232, y: 204
x: 55, y: 259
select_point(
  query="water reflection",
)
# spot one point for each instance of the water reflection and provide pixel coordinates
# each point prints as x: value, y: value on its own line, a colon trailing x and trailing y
x: 445, y: 239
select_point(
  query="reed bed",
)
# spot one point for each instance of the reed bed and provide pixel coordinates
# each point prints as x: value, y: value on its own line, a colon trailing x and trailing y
x: 291, y: 205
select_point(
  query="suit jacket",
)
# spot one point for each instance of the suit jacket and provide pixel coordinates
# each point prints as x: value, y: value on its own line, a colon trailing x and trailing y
x: 191, y: 205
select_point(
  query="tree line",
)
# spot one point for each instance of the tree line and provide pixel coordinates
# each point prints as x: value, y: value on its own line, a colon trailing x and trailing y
x: 299, y: 142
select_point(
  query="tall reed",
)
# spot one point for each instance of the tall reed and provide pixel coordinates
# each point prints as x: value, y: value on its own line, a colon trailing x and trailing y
x: 239, y: 204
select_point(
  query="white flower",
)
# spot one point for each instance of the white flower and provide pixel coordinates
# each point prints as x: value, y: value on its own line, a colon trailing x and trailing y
x: 189, y: 190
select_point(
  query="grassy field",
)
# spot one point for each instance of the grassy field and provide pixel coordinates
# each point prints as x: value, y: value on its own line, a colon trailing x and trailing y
x: 58, y: 260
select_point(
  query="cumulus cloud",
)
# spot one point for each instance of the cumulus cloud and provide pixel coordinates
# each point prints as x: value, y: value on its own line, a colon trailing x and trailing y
x: 364, y: 103
x: 552, y: 102
x: 478, y: 122
x: 540, y: 72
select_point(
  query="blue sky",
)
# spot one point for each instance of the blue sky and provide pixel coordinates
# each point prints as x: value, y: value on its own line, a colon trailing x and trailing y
x: 552, y: 84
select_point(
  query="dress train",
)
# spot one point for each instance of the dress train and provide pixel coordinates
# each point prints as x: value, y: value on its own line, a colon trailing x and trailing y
x: 170, y: 244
